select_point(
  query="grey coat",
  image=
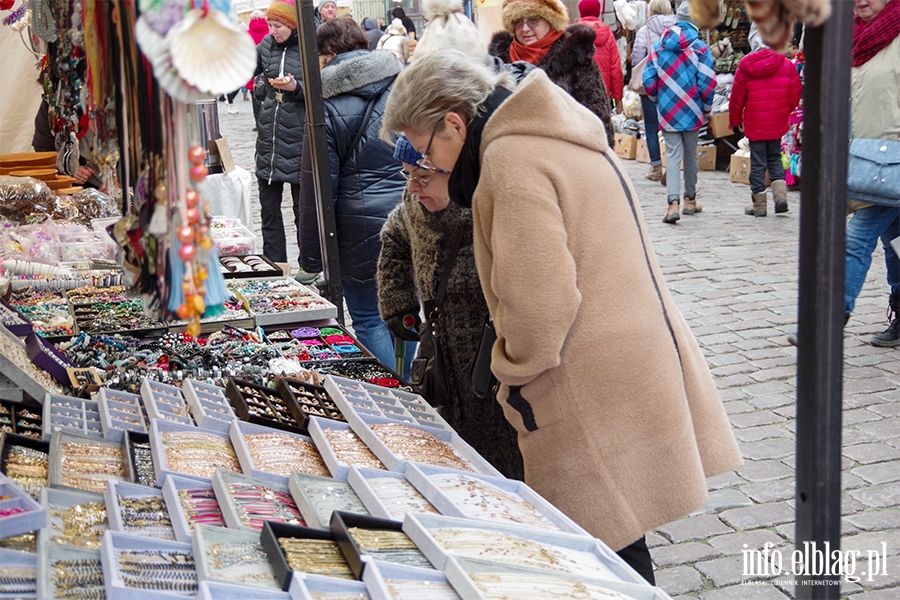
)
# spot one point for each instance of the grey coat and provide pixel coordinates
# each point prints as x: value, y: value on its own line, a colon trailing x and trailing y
x: 280, y: 128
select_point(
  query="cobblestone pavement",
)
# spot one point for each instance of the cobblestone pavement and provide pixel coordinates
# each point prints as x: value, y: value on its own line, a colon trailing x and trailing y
x: 735, y: 279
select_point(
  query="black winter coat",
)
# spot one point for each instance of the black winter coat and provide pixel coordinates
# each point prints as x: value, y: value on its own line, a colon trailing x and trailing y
x: 280, y: 128
x: 569, y: 64
x: 366, y: 184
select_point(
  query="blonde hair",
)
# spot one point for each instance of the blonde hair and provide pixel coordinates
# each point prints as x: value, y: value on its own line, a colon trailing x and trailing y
x: 434, y: 85
x: 660, y: 7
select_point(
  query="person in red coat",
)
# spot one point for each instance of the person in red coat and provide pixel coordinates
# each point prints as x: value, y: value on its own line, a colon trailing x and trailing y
x: 258, y: 29
x: 606, y: 54
x: 765, y: 92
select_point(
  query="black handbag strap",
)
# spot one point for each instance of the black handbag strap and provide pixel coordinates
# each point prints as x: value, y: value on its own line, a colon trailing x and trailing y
x: 445, y: 272
x: 370, y: 106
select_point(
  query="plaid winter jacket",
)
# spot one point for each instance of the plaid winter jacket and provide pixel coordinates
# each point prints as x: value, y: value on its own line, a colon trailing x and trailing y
x: 680, y: 77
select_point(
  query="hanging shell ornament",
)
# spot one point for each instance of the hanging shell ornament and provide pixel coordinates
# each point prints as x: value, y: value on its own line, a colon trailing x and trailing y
x: 156, y: 48
x: 212, y: 52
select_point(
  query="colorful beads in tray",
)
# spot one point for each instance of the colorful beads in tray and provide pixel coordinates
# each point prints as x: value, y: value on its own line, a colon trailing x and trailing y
x: 125, y: 315
x: 47, y: 310
x: 313, y: 343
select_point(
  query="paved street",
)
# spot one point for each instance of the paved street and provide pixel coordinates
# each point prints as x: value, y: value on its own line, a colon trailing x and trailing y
x: 735, y: 279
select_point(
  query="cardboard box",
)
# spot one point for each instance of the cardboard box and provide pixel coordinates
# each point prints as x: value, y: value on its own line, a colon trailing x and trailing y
x: 739, y: 171
x: 706, y: 158
x: 718, y: 125
x: 626, y: 146
x: 643, y: 154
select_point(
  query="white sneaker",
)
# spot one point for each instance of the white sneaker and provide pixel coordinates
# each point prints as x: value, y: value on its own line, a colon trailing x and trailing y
x: 232, y: 109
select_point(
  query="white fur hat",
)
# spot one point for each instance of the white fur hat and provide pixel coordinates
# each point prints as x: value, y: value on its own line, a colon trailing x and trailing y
x: 449, y: 28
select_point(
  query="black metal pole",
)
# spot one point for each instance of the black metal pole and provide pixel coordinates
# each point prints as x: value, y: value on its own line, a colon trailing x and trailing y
x: 820, y: 361
x: 317, y: 142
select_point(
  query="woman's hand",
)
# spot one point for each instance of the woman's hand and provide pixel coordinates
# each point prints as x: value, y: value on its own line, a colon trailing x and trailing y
x: 83, y: 174
x: 289, y: 86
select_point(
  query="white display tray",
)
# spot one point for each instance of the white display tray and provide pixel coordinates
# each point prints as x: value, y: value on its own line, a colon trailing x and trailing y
x: 34, y: 517
x: 53, y: 499
x: 114, y: 509
x: 377, y: 571
x: 358, y: 479
x: 373, y: 400
x: 458, y: 570
x: 360, y: 424
x: 213, y: 590
x: 205, y: 535
x: 206, y: 402
x: 12, y: 559
x: 328, y: 311
x: 419, y: 476
x: 158, y: 449
x: 57, y: 417
x: 49, y: 554
x: 303, y: 585
x: 115, y: 585
x: 54, y: 473
x: 316, y: 427
x: 612, y: 567
x: 114, y: 409
x: 220, y: 483
x: 314, y: 518
x: 162, y: 402
x: 170, y: 489
x: 241, y: 428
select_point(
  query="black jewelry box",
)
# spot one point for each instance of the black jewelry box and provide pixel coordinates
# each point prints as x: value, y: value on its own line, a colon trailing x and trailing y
x: 273, y: 530
x: 272, y: 271
x: 342, y: 521
x: 312, y: 400
x: 249, y: 409
x: 129, y: 440
x: 13, y: 421
x: 8, y: 440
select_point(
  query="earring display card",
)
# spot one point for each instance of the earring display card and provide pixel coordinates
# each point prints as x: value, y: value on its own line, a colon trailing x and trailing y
x: 439, y: 537
x: 318, y: 497
x: 165, y: 402
x: 481, y: 579
x: 340, y: 447
x: 138, y: 510
x: 397, y: 444
x: 74, y: 518
x: 373, y: 400
x: 189, y: 451
x: 191, y: 503
x: 317, y: 343
x: 72, y: 414
x: 146, y: 568
x: 318, y: 587
x: 22, y: 418
x: 387, y: 495
x: 19, y: 512
x: 364, y: 539
x: 121, y: 412
x: 387, y: 581
x: 232, y: 556
x: 247, y: 503
x: 496, y: 499
x: 69, y: 572
x: 278, y: 300
x: 264, y: 406
x: 140, y: 455
x: 305, y: 550
x: 18, y: 574
x: 86, y: 463
x: 313, y: 400
x: 272, y: 455
x: 25, y: 461
x: 209, y: 405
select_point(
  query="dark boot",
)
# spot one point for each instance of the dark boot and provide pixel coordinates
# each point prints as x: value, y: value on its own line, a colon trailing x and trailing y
x: 891, y: 336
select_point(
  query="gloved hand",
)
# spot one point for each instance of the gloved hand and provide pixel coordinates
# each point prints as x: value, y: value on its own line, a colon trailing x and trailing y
x: 403, y: 326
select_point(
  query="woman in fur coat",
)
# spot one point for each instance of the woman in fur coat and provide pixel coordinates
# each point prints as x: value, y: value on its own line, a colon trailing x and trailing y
x: 414, y: 246
x: 538, y: 32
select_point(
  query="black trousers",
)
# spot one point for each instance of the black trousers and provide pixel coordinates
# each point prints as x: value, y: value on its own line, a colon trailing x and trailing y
x: 637, y: 555
x: 272, y: 224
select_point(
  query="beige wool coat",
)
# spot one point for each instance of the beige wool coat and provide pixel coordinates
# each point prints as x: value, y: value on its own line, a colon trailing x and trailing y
x: 618, y: 417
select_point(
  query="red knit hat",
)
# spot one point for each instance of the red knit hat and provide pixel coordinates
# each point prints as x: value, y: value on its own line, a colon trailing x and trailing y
x: 284, y: 12
x: 589, y: 8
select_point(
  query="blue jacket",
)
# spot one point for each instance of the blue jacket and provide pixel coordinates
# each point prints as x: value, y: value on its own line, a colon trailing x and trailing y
x: 680, y: 77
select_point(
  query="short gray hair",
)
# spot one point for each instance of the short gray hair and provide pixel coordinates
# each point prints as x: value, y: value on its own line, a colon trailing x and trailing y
x: 433, y: 85
x: 660, y: 7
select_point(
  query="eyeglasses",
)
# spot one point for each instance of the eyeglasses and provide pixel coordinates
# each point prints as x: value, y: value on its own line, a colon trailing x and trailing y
x: 424, y: 162
x: 532, y: 23
x: 422, y: 181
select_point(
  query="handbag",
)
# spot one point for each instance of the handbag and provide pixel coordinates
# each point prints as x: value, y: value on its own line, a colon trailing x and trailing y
x: 873, y: 171
x: 428, y: 373
x: 68, y: 158
x: 260, y: 87
x: 483, y: 382
x: 636, y: 83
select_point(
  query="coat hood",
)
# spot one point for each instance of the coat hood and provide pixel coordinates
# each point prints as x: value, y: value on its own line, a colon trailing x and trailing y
x: 659, y: 23
x: 358, y: 71
x: 679, y: 37
x: 604, y: 33
x: 368, y: 24
x: 258, y: 26
x: 561, y: 116
x: 762, y: 63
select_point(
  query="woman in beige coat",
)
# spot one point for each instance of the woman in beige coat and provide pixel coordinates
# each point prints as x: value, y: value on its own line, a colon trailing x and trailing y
x: 618, y: 418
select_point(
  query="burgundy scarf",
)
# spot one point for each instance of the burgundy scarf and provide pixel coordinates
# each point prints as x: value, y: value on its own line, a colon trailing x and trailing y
x: 534, y: 53
x: 871, y: 38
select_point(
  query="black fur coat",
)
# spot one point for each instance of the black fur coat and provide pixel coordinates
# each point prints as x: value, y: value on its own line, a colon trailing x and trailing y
x: 569, y: 64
